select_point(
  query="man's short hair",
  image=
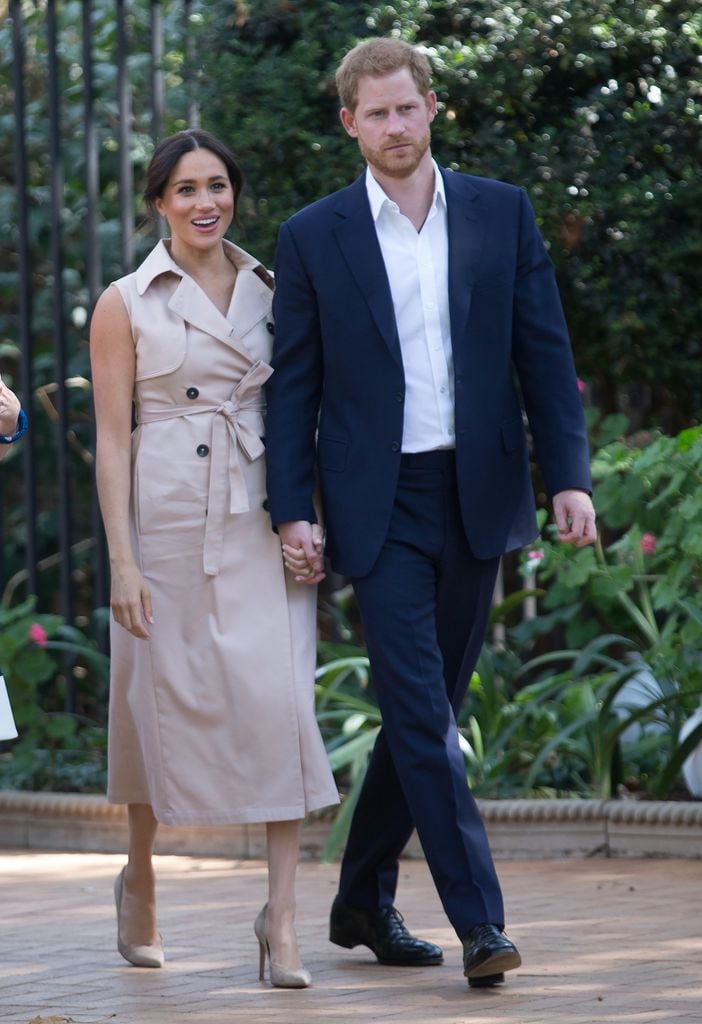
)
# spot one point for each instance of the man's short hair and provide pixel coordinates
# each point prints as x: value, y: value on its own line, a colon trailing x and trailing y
x: 380, y: 57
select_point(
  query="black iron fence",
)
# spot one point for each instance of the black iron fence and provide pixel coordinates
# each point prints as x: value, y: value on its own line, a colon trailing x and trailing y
x: 89, y: 87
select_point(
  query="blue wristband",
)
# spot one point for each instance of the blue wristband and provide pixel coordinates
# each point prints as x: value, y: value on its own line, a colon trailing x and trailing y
x: 22, y: 424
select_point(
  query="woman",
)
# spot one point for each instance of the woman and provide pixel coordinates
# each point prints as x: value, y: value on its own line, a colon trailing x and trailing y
x: 213, y: 648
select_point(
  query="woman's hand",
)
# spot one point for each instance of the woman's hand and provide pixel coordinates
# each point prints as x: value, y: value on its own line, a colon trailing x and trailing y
x: 130, y: 600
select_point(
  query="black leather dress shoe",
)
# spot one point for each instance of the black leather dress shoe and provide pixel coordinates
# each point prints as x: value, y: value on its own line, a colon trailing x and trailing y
x: 487, y: 954
x: 384, y: 932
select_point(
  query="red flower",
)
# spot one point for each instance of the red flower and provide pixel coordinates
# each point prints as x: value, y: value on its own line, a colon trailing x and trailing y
x: 648, y: 543
x: 37, y: 634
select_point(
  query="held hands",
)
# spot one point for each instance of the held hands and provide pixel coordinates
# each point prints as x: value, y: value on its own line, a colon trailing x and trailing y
x: 575, y: 518
x: 303, y: 548
x: 130, y: 600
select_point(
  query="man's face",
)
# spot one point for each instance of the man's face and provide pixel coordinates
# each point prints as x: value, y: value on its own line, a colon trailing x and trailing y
x: 391, y: 122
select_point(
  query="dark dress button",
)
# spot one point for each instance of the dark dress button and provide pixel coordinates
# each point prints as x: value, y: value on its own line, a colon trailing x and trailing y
x: 395, y: 446
x: 192, y: 393
x: 265, y: 506
x: 202, y: 450
x: 270, y: 327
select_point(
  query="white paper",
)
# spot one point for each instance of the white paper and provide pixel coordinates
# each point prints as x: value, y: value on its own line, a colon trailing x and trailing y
x: 8, y: 730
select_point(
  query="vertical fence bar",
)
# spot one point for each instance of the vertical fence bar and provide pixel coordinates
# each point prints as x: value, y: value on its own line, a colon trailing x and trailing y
x: 190, y: 66
x: 157, y: 86
x: 126, y: 182
x: 94, y: 283
x: 60, y: 349
x: 24, y: 291
x: 92, y: 241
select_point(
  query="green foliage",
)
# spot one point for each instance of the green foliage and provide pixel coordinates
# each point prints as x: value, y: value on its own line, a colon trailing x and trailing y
x: 55, y: 750
x: 643, y: 582
x: 76, y: 300
x: 268, y: 91
x: 594, y: 107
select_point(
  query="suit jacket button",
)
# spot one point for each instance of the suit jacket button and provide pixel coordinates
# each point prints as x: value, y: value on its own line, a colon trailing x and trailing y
x: 399, y: 397
x: 202, y: 450
x: 270, y: 327
x: 192, y: 393
x: 265, y: 505
x: 395, y: 446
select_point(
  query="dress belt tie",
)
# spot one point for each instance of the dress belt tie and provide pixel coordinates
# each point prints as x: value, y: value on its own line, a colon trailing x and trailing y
x: 229, y: 434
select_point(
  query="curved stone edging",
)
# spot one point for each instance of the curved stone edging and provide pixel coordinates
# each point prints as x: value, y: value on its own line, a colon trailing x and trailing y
x: 77, y: 805
x: 516, y: 828
x: 670, y: 812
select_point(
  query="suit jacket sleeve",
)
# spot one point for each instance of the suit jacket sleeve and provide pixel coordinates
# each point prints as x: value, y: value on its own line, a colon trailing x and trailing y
x: 293, y: 392
x: 543, y: 358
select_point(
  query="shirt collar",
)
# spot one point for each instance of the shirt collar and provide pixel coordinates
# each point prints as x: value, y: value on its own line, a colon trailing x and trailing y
x: 377, y: 198
x: 159, y: 261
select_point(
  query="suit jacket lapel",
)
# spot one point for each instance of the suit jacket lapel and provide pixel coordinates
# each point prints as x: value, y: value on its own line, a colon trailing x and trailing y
x: 358, y: 241
x: 466, y: 236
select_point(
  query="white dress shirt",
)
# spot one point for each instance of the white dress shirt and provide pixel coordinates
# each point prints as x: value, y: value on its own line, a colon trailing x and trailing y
x: 417, y: 267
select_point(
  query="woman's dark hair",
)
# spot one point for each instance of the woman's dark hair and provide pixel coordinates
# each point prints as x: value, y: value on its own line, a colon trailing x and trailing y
x: 169, y: 151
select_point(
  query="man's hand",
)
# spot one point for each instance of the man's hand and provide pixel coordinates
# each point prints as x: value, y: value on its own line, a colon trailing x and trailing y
x: 575, y: 518
x: 303, y: 546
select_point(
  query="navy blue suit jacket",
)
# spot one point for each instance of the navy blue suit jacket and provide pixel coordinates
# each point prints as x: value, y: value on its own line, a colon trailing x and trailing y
x: 335, y: 400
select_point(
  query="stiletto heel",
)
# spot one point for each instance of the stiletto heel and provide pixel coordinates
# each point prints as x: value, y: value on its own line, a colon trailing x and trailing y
x: 281, y: 977
x: 261, y: 952
x: 140, y: 956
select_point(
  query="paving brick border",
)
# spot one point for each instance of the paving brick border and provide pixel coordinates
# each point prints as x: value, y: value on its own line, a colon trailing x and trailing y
x: 517, y: 828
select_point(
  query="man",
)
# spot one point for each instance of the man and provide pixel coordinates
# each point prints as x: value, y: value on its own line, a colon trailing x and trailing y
x: 404, y: 305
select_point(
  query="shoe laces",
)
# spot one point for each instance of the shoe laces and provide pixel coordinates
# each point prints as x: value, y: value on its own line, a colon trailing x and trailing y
x: 395, y: 920
x: 483, y: 931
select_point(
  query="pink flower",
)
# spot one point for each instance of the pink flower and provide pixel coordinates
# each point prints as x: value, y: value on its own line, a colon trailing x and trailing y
x: 37, y: 634
x: 533, y: 559
x: 648, y: 543
x: 581, y: 386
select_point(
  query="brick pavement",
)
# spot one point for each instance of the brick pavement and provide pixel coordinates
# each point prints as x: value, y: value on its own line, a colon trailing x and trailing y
x: 603, y: 941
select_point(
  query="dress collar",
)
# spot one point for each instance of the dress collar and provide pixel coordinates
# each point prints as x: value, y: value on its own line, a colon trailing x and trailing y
x: 159, y: 261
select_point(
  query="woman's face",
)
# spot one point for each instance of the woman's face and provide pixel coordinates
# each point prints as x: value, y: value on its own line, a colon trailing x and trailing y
x: 198, y: 200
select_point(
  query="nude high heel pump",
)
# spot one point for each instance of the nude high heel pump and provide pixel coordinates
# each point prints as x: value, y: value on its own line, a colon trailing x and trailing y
x: 140, y: 956
x: 281, y: 977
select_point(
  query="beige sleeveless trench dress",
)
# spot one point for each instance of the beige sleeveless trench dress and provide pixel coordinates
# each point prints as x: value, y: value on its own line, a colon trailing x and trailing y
x: 212, y: 720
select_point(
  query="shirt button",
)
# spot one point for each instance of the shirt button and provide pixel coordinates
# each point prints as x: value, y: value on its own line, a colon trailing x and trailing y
x: 443, y: 390
x: 270, y: 328
x: 192, y: 393
x: 202, y: 450
x: 395, y: 446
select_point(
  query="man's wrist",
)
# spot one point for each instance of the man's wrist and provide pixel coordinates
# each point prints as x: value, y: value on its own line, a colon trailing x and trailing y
x: 20, y: 430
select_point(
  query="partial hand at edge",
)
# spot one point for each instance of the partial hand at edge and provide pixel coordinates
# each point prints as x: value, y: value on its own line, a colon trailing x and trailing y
x: 575, y: 517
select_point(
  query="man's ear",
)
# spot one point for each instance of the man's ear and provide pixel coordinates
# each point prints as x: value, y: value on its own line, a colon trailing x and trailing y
x: 431, y: 104
x: 349, y: 122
